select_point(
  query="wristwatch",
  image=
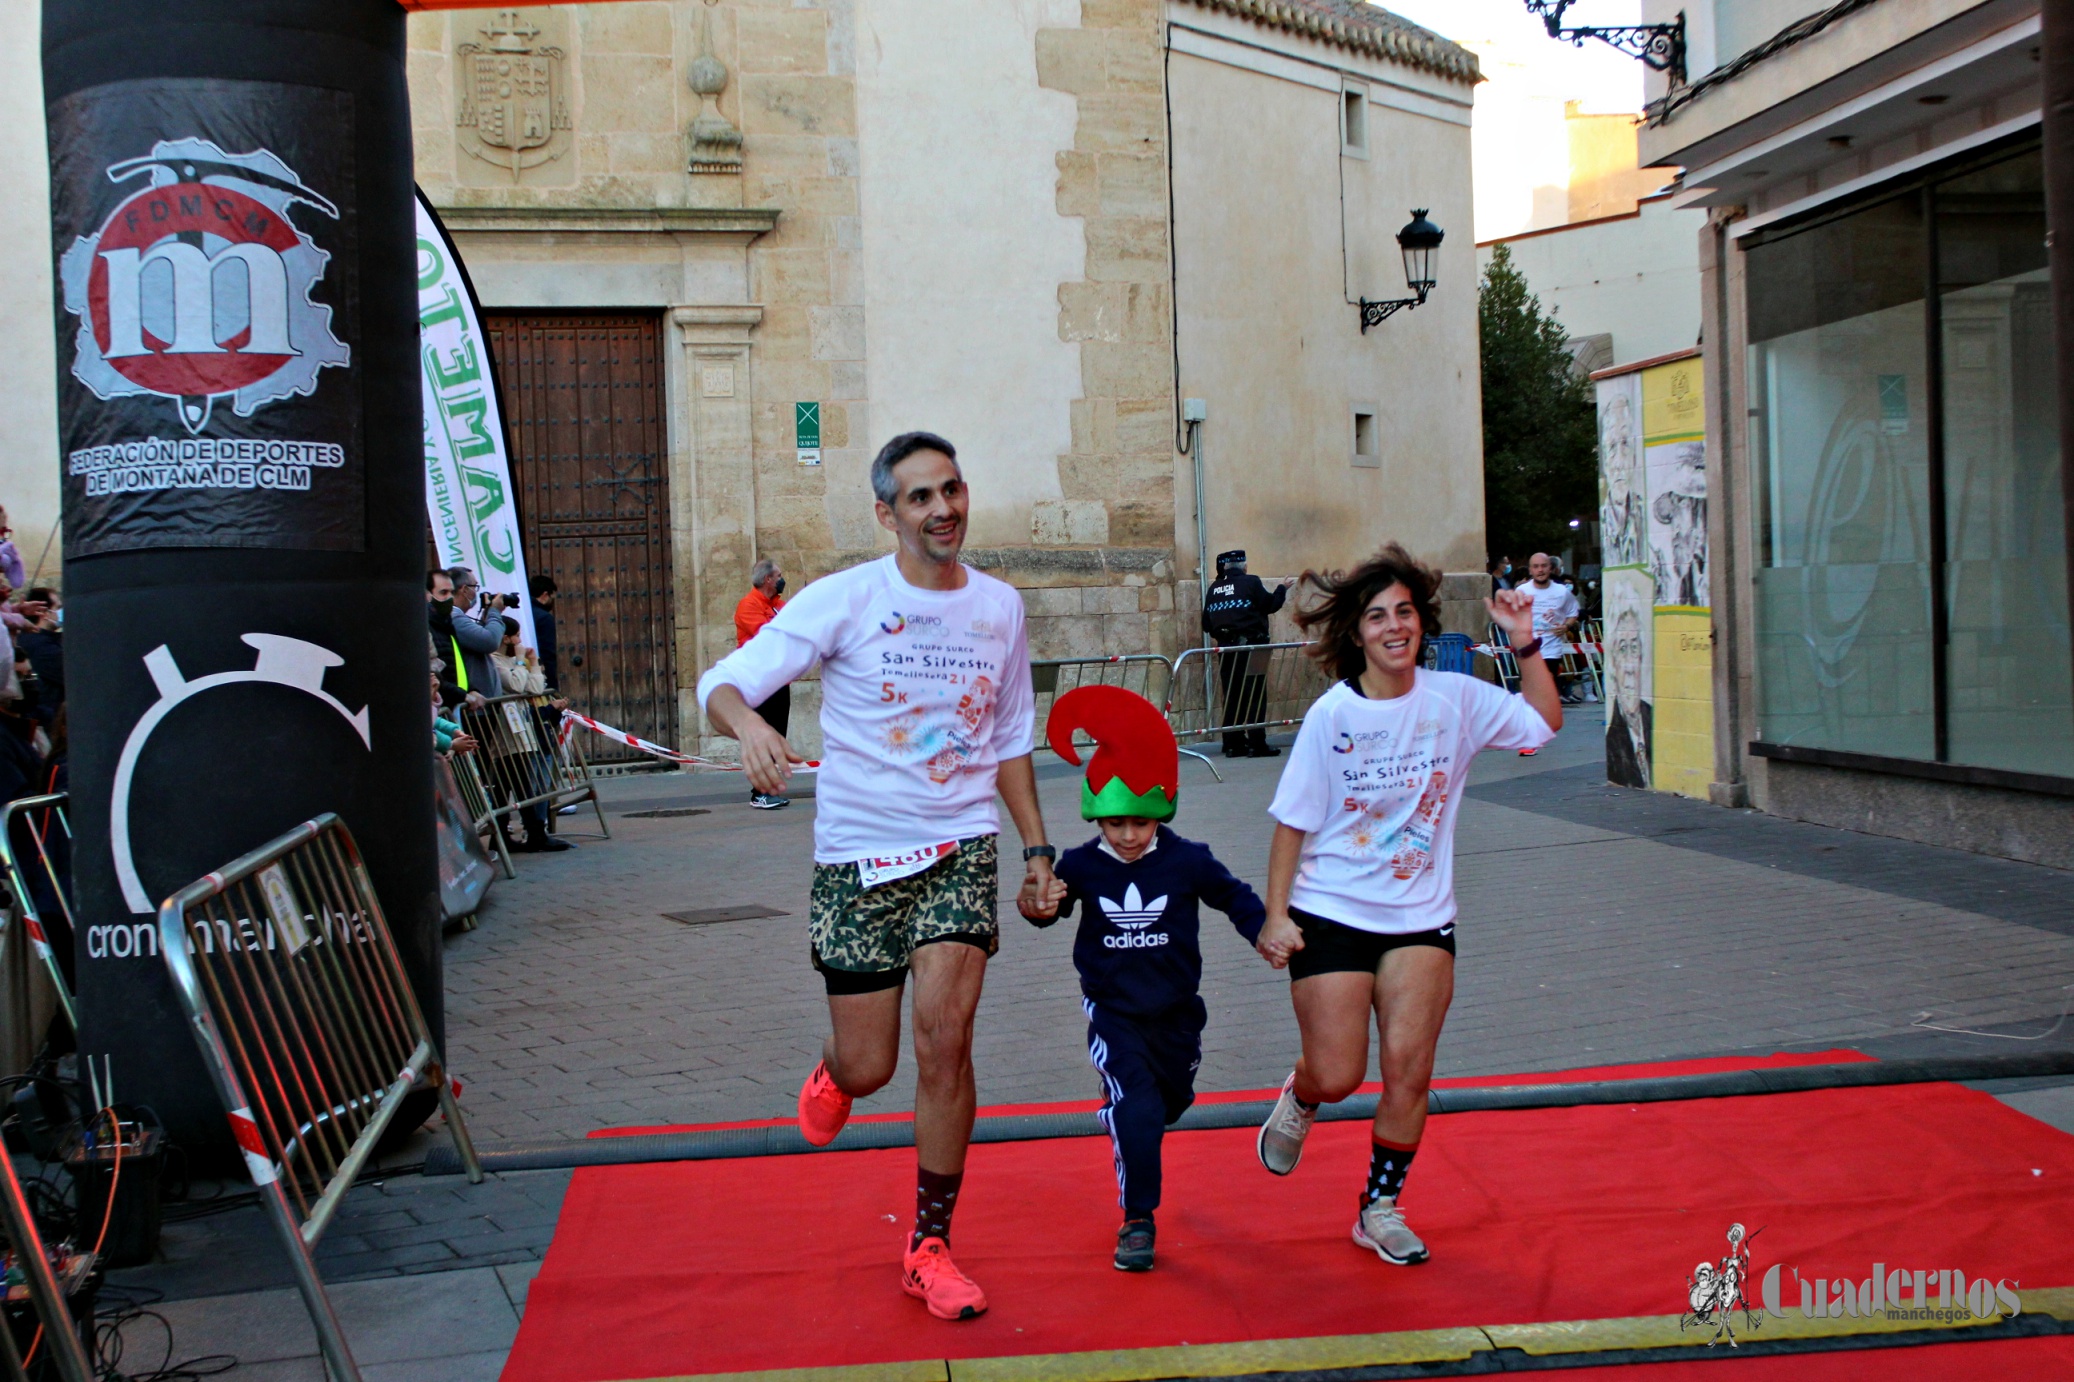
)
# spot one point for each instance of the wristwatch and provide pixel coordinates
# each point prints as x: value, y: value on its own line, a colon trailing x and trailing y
x: 1039, y: 852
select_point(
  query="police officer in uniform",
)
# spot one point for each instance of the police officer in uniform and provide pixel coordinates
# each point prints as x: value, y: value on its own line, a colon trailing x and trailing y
x: 1235, y: 613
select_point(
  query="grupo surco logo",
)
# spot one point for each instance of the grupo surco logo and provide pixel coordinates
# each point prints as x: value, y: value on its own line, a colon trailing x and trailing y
x: 897, y: 622
x: 197, y: 288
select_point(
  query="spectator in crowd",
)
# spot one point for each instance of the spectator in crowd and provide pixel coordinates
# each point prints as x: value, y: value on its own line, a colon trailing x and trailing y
x: 518, y: 667
x: 42, y: 644
x: 447, y: 734
x: 513, y: 743
x: 1501, y: 573
x: 757, y: 608
x: 11, y: 665
x: 486, y: 613
x: 10, y: 558
x: 1556, y: 616
x: 454, y: 635
x: 1235, y: 613
x: 542, y: 589
x: 523, y: 672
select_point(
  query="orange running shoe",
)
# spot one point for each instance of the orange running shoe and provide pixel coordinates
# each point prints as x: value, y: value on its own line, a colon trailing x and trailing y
x: 929, y: 1275
x: 823, y: 1109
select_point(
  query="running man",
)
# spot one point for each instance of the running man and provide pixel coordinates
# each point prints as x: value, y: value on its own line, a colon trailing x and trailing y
x: 926, y: 711
x: 1361, y: 878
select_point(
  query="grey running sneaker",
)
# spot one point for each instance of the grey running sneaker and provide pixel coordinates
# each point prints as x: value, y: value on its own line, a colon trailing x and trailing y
x: 1382, y: 1230
x: 1134, y: 1245
x: 1280, y: 1144
x: 768, y: 801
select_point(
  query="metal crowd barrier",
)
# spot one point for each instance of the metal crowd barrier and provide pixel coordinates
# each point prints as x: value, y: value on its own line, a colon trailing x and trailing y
x: 1265, y: 686
x: 57, y: 1337
x: 482, y: 813
x: 50, y: 876
x: 522, y: 760
x: 1148, y: 674
x: 297, y: 997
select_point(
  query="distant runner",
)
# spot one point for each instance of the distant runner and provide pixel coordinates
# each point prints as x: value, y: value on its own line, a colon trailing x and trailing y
x: 926, y: 710
x: 1361, y: 874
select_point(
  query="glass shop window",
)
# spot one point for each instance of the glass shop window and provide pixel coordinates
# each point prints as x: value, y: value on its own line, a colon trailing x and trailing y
x: 1869, y: 436
x: 1841, y: 440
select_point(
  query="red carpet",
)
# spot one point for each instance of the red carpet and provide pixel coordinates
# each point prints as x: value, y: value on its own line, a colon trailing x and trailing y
x: 1562, y: 1214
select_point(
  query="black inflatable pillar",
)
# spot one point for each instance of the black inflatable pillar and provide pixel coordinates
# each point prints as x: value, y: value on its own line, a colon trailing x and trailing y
x: 238, y: 403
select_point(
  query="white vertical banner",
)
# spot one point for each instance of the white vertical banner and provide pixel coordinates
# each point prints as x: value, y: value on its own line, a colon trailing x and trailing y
x: 469, y: 495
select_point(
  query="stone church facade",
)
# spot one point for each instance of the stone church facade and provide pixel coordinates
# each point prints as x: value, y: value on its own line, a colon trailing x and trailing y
x: 699, y: 227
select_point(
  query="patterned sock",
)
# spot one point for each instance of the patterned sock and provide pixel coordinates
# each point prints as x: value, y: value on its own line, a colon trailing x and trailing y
x: 1387, y: 1164
x: 936, y: 1195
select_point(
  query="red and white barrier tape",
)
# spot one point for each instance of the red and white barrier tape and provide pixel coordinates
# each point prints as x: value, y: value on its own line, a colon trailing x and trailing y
x: 570, y: 719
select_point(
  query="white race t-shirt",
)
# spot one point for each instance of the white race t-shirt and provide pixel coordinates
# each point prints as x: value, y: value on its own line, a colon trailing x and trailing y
x: 923, y: 693
x: 1555, y: 605
x: 1375, y: 785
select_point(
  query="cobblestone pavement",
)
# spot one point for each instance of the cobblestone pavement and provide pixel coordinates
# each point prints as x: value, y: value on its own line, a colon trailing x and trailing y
x: 1597, y: 926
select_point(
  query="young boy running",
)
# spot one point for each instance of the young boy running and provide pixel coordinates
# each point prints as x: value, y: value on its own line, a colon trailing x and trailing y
x: 1138, y: 885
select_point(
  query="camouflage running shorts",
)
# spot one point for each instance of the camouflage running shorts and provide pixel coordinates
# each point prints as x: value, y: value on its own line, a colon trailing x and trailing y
x: 861, y: 939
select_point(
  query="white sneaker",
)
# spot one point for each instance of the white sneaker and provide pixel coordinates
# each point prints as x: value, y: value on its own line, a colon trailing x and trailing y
x: 1280, y: 1144
x: 1382, y: 1230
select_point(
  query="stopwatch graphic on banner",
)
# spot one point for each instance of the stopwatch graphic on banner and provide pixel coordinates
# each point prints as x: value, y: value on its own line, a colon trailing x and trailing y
x: 198, y: 286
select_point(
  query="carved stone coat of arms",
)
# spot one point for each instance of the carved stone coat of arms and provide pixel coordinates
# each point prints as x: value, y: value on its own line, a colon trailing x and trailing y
x: 514, y: 96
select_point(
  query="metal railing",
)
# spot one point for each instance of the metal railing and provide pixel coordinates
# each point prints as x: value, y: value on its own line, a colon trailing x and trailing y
x: 297, y: 997
x: 523, y: 760
x: 42, y: 881
x: 1148, y: 674
x: 57, y: 1337
x: 482, y: 812
x: 1237, y: 690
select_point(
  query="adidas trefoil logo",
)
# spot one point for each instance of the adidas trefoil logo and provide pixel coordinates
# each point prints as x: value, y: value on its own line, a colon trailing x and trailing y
x: 1133, y: 913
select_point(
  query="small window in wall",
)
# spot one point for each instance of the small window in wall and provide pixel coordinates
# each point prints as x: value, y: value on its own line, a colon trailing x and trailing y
x: 1367, y: 450
x: 1353, y: 122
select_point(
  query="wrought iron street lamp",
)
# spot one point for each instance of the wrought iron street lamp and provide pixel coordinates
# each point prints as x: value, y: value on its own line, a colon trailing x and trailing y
x: 1661, y: 47
x: 1419, y: 241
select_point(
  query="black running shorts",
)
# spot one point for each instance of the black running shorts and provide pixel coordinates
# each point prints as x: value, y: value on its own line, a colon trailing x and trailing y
x: 1331, y: 947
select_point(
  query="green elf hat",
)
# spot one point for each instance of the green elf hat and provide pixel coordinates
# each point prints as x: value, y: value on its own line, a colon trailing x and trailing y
x: 1136, y: 768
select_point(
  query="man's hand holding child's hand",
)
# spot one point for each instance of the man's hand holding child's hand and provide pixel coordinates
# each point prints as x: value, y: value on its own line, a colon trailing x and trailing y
x: 1039, y: 902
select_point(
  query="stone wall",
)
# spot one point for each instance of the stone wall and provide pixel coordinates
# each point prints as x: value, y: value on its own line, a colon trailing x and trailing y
x: 1118, y: 481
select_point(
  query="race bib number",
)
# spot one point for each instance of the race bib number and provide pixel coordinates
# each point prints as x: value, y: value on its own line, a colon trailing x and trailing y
x: 872, y: 872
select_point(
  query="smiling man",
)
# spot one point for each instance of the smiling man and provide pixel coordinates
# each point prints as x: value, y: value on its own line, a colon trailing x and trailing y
x: 926, y: 711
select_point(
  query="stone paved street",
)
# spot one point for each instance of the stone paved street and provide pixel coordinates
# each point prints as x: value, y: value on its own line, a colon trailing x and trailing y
x: 1598, y: 925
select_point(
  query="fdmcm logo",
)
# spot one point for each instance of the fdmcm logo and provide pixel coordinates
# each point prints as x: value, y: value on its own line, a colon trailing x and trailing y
x: 198, y: 286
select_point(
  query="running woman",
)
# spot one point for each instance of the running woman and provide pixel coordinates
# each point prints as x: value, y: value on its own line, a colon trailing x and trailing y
x: 926, y: 711
x: 1361, y: 887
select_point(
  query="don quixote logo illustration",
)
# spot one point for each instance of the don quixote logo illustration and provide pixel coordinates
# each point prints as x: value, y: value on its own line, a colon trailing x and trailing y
x: 198, y: 287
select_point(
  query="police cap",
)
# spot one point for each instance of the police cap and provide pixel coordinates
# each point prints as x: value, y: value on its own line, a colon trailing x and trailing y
x: 1235, y: 557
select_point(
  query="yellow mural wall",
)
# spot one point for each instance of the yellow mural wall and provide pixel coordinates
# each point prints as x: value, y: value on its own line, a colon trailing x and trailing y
x: 1674, y: 448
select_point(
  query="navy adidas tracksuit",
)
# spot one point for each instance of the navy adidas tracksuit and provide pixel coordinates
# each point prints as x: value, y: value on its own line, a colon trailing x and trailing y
x: 1140, y: 968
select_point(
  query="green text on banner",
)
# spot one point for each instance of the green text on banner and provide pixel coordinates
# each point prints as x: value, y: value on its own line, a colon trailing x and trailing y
x: 469, y: 496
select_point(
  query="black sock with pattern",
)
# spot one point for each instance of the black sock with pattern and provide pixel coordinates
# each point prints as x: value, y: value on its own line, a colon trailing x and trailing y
x: 936, y: 1195
x: 1387, y: 1164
